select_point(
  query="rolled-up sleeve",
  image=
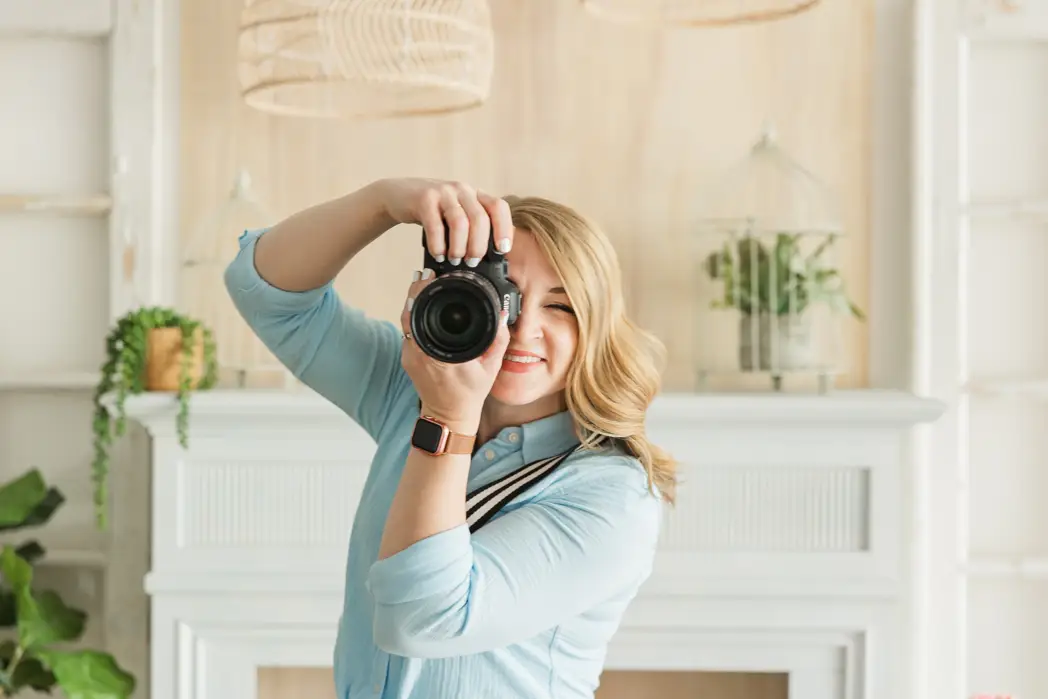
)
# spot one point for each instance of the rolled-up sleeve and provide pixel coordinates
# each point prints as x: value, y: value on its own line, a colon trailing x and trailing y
x: 523, y: 573
x: 335, y: 349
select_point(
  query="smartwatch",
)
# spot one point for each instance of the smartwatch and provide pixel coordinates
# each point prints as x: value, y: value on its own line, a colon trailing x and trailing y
x: 433, y: 437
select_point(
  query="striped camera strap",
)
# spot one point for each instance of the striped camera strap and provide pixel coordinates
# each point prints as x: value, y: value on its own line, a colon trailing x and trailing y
x: 484, y: 502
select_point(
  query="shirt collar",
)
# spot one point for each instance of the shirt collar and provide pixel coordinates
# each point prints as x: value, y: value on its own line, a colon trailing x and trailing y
x: 548, y: 436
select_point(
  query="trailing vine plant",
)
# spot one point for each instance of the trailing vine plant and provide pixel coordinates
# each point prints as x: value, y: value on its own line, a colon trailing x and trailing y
x: 123, y: 374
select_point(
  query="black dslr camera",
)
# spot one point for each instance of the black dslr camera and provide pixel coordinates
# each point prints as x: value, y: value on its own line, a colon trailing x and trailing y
x: 456, y: 316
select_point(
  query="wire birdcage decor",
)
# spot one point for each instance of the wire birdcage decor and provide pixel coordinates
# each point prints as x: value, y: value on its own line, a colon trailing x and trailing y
x: 697, y: 13
x: 766, y: 245
x: 365, y: 58
x: 242, y: 358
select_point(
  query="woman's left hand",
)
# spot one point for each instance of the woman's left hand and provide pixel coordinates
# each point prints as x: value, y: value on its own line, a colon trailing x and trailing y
x: 451, y: 393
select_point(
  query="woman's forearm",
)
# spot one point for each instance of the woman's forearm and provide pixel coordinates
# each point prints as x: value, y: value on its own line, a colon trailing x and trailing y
x: 308, y: 249
x: 430, y: 499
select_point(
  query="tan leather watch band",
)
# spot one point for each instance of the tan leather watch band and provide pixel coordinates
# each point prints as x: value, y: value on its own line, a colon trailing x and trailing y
x: 459, y: 443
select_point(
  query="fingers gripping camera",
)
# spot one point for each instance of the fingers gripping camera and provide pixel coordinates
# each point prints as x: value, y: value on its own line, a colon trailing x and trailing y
x: 455, y: 317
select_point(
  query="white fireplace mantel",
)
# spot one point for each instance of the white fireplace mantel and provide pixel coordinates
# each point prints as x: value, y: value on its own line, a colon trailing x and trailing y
x: 787, y: 551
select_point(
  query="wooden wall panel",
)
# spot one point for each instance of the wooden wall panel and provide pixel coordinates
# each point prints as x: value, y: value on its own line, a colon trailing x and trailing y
x: 625, y: 123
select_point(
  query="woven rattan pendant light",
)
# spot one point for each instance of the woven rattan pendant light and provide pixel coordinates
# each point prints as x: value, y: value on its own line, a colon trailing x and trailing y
x: 365, y: 58
x: 696, y: 13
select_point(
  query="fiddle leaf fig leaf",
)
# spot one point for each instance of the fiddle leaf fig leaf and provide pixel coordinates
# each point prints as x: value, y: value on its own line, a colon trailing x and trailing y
x: 88, y: 674
x: 43, y: 619
x: 31, y: 552
x: 31, y: 673
x: 16, y: 570
x: 19, y: 497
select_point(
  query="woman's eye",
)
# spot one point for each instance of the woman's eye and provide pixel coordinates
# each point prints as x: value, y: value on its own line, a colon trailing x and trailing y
x: 562, y: 307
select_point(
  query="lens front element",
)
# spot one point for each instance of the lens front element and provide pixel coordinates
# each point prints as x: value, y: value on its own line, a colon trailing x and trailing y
x: 455, y: 318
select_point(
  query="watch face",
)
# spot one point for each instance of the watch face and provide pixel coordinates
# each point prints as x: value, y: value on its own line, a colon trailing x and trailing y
x: 427, y: 435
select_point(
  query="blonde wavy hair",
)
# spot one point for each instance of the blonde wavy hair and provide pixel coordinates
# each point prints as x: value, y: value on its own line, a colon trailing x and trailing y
x: 618, y: 366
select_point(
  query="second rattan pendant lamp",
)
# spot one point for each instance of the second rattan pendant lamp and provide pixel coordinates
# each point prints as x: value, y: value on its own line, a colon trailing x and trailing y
x: 365, y: 58
x: 697, y: 13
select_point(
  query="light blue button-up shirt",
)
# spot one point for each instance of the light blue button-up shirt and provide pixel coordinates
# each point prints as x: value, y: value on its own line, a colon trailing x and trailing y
x: 525, y: 606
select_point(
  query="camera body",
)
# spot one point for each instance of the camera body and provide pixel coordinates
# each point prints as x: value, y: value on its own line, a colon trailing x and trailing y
x: 455, y: 317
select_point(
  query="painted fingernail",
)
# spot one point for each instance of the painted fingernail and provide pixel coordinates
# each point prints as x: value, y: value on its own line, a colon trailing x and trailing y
x: 504, y: 314
x: 415, y: 276
x: 504, y: 245
x: 472, y: 261
x: 427, y: 273
x: 455, y: 260
x: 438, y: 258
x: 409, y: 303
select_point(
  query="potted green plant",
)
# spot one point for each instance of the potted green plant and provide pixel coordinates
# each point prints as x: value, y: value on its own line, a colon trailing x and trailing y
x: 774, y: 290
x: 40, y: 656
x: 148, y: 349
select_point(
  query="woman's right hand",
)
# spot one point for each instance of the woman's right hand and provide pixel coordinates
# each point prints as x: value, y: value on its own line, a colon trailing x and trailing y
x: 472, y: 217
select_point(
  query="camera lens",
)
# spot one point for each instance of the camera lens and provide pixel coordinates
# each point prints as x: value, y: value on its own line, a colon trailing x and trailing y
x: 455, y: 318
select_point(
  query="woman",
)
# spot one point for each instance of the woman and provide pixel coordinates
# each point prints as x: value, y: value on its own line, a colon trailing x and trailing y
x: 525, y: 605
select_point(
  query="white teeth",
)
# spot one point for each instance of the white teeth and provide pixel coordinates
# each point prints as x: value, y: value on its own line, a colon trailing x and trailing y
x: 522, y: 360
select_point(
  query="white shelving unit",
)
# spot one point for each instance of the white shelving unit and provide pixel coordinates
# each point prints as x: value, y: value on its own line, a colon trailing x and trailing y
x: 87, y: 215
x: 981, y: 218
x: 48, y: 381
x: 97, y: 205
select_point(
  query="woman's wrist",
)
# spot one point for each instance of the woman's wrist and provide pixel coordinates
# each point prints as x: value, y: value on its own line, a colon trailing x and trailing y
x: 459, y: 422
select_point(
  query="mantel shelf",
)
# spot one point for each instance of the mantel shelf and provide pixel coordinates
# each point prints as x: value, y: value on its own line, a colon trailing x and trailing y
x: 84, y: 205
x: 844, y: 408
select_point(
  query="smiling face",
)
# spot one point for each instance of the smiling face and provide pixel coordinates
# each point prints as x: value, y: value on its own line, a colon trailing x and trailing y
x: 543, y: 340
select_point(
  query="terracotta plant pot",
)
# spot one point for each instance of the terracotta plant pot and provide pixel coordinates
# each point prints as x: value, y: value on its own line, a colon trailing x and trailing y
x: 164, y: 359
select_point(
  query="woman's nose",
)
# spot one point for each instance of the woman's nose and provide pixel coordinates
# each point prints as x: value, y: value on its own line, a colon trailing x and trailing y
x: 527, y: 325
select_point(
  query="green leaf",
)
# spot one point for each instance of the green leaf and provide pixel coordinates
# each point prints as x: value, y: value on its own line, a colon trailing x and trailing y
x: 43, y: 618
x: 31, y: 552
x: 88, y: 674
x: 16, y: 571
x: 7, y: 651
x: 43, y: 511
x: 777, y: 278
x: 28, y: 672
x: 31, y: 673
x: 19, y: 497
x: 8, y: 609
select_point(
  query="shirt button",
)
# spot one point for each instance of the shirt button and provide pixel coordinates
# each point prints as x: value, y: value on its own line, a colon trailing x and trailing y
x: 513, y: 436
x: 489, y: 455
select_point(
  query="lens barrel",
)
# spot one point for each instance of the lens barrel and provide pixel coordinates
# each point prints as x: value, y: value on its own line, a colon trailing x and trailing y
x: 455, y: 317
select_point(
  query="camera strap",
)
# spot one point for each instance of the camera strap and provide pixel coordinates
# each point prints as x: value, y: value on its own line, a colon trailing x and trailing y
x: 485, y: 501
